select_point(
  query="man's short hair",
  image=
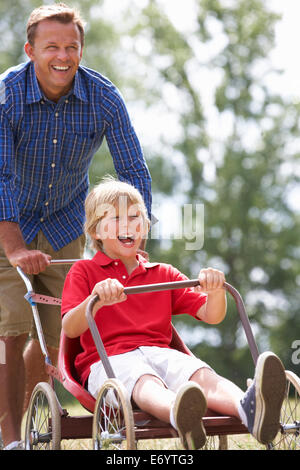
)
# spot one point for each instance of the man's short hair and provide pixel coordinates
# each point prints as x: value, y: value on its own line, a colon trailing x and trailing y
x: 56, y: 12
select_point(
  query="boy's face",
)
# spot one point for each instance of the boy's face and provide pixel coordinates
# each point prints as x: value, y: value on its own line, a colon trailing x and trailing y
x: 121, y: 230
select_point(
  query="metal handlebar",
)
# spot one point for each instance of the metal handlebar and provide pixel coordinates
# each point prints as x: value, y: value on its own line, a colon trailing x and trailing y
x: 167, y: 286
x: 35, y: 312
x: 137, y: 290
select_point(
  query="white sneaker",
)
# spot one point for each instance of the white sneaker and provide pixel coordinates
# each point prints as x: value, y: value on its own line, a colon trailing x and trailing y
x: 15, y: 445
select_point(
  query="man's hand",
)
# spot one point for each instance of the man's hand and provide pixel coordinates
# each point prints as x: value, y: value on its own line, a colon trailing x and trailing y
x: 30, y: 261
x: 16, y: 251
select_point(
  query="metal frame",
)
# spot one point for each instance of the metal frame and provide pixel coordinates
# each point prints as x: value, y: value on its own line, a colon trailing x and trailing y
x: 147, y: 426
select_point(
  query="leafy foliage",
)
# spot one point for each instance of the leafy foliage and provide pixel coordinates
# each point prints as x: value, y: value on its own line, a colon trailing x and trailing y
x: 219, y: 137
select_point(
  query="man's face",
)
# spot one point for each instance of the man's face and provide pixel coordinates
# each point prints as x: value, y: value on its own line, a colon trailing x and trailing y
x: 56, y: 53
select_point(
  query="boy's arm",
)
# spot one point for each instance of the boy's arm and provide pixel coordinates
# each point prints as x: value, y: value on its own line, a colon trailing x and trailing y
x: 214, y: 310
x: 109, y: 291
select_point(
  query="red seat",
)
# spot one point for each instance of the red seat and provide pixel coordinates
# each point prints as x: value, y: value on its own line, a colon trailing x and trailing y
x: 70, y: 348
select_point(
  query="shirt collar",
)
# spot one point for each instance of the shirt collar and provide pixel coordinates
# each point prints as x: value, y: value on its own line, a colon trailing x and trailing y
x: 103, y: 260
x: 79, y: 89
x: 34, y: 92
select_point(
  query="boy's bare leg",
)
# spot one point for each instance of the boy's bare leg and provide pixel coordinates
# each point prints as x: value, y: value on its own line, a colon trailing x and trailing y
x: 184, y: 410
x: 152, y: 396
x: 222, y: 395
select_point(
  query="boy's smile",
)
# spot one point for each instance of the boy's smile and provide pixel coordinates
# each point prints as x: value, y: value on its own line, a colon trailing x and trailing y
x: 126, y: 240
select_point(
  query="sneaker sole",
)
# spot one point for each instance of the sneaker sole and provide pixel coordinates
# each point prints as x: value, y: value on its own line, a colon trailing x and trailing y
x: 189, y: 409
x: 271, y: 381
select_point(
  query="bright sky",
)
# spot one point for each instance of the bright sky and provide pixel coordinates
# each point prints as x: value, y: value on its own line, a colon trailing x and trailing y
x: 285, y: 54
x: 287, y: 38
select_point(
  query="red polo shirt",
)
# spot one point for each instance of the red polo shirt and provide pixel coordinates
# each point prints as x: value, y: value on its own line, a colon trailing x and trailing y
x: 141, y: 320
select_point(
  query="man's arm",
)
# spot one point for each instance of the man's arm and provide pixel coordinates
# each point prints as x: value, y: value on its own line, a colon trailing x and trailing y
x: 11, y: 239
x: 12, y: 242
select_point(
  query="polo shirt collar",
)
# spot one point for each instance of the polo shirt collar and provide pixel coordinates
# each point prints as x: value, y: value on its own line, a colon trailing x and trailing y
x: 103, y: 260
x: 34, y: 93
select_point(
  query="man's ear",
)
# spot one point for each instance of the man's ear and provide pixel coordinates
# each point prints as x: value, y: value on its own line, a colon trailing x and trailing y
x: 28, y: 48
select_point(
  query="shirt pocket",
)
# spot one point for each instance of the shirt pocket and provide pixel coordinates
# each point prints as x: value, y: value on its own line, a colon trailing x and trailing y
x: 78, y: 149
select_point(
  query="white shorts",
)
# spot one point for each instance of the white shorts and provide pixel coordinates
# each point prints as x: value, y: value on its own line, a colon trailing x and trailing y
x: 172, y: 367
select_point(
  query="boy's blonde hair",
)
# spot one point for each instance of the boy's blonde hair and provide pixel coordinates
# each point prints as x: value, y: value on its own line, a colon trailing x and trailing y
x: 106, y: 194
x: 56, y: 12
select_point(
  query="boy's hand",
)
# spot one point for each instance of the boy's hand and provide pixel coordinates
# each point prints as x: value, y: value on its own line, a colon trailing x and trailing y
x: 210, y: 279
x: 109, y: 291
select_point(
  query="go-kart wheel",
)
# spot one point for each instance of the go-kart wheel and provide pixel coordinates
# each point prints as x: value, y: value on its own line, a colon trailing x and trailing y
x: 113, y: 424
x: 288, y: 437
x: 43, y: 424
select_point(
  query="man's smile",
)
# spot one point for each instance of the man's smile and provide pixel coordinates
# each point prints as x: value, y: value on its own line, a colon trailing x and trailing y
x: 61, y: 68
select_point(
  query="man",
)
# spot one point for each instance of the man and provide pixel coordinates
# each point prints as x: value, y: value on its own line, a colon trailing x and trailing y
x: 54, y: 114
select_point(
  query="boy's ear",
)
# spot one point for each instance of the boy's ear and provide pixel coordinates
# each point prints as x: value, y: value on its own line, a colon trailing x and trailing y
x: 95, y: 235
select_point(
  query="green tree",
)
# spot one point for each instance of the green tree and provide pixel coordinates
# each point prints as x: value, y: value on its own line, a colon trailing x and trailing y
x: 251, y: 230
x: 238, y: 155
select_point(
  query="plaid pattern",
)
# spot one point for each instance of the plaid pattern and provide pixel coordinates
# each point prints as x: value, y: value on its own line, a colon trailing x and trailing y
x: 46, y: 149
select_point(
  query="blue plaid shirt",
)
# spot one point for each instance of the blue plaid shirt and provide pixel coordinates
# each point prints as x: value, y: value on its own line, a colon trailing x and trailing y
x: 46, y: 149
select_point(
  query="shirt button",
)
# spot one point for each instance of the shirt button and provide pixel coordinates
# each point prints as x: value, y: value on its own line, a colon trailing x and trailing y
x: 41, y: 219
x: 46, y: 203
x: 53, y: 165
x: 67, y: 101
x: 50, y: 186
x: 124, y: 277
x: 116, y: 263
x: 56, y: 114
x: 54, y: 141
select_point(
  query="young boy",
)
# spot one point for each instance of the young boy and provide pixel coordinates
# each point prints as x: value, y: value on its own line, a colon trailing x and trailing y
x: 136, y: 329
